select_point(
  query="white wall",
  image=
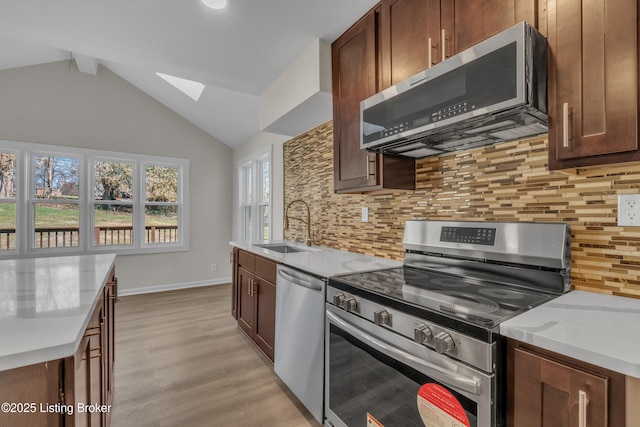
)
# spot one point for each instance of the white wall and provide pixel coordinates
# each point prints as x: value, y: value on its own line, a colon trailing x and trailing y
x: 258, y: 143
x: 56, y: 104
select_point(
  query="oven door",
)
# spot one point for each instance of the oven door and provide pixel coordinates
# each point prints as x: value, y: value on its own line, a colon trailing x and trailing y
x: 377, y: 378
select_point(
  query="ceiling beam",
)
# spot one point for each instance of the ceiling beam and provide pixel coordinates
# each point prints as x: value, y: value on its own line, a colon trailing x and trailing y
x: 86, y: 64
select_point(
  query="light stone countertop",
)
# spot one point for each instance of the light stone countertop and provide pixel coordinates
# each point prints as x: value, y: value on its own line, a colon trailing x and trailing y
x: 319, y: 260
x: 46, y: 305
x: 599, y: 329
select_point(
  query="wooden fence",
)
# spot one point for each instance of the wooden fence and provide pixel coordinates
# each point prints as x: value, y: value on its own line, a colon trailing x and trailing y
x: 61, y: 237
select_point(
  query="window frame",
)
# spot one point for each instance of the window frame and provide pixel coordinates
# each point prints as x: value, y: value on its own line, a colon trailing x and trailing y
x: 25, y: 201
x: 256, y: 204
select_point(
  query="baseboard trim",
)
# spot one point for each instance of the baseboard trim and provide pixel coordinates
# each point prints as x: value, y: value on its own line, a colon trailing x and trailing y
x: 172, y: 287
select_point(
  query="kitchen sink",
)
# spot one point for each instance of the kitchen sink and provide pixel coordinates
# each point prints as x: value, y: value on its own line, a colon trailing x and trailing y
x: 283, y: 248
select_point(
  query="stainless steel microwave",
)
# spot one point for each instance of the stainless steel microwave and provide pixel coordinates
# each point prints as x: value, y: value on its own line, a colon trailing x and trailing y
x: 492, y: 92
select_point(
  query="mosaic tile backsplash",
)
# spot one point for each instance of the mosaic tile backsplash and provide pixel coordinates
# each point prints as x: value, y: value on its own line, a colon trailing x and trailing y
x: 505, y: 182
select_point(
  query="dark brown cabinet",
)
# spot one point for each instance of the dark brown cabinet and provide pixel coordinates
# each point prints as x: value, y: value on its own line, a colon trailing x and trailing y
x: 414, y: 32
x: 593, y: 83
x: 255, y: 286
x: 355, y: 57
x: 410, y: 38
x: 547, y: 389
x: 467, y: 22
x: 86, y: 378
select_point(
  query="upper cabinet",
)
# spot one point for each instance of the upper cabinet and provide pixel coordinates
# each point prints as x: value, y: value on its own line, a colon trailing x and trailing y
x: 355, y: 57
x: 409, y: 38
x: 467, y: 22
x: 593, y: 83
x: 416, y: 34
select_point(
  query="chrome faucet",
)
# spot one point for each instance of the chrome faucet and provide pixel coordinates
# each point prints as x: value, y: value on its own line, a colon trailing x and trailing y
x: 308, y: 241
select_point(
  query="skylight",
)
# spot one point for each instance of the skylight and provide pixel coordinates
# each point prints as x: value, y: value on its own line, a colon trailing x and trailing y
x: 190, y: 88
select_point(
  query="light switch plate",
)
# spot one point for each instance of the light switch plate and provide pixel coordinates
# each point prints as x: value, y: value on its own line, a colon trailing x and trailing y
x: 365, y: 214
x: 629, y: 210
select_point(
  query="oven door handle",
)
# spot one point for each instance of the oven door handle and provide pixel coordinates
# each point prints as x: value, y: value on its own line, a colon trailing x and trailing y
x: 453, y: 379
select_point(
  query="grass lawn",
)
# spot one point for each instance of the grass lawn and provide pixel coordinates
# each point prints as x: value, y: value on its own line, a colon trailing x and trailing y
x: 68, y: 216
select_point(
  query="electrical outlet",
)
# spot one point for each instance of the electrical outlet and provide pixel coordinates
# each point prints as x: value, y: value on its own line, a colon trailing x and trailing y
x: 629, y: 210
x: 214, y: 267
x: 365, y: 214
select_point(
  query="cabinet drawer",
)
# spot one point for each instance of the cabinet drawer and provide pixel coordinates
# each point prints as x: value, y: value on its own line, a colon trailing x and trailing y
x: 265, y: 269
x: 245, y: 259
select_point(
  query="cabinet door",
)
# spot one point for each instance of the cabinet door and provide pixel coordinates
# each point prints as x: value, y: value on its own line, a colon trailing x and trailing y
x: 409, y: 38
x: 550, y: 394
x: 467, y: 22
x: 593, y: 82
x: 354, y: 63
x: 265, y: 327
x: 245, y: 301
x: 33, y: 385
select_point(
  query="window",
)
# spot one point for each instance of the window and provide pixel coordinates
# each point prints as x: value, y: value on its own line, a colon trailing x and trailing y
x: 78, y: 200
x: 7, y: 201
x: 113, y: 197
x: 54, y: 201
x: 255, y: 197
x: 161, y: 207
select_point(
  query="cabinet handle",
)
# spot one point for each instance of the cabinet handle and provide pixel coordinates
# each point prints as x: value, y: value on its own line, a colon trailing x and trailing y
x: 369, y: 163
x: 443, y: 44
x: 254, y: 289
x: 429, y: 55
x: 583, y: 401
x: 566, y: 115
x: 249, y: 291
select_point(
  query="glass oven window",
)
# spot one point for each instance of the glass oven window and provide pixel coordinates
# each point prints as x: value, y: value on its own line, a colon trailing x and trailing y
x: 364, y: 381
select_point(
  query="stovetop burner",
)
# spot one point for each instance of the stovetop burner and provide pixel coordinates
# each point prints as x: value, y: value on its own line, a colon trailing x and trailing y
x: 480, y: 302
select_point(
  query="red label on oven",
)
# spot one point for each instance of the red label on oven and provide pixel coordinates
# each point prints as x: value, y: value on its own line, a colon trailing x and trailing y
x: 438, y: 407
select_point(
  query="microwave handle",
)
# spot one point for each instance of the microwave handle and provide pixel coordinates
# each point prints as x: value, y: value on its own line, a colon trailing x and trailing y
x: 453, y: 379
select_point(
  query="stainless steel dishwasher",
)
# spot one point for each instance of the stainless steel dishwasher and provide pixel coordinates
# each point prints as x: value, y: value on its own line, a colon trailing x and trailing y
x: 299, y: 340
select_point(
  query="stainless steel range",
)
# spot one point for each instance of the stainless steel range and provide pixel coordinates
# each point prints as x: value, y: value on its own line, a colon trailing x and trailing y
x: 419, y: 345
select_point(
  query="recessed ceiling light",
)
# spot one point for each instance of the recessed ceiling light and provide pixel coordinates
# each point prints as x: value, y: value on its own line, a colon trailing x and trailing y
x: 190, y: 88
x: 215, y: 4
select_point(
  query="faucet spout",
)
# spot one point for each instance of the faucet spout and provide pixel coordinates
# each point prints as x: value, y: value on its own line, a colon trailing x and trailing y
x: 308, y: 241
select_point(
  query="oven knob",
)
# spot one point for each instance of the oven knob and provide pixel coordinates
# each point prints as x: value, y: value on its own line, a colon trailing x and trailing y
x: 422, y: 334
x: 338, y: 299
x: 444, y: 343
x: 382, y: 317
x: 350, y: 304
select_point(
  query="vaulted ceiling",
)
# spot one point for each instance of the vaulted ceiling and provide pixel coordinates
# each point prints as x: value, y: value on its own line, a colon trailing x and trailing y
x: 236, y: 52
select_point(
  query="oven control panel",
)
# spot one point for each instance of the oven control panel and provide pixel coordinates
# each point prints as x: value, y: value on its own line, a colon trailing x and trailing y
x: 474, y: 235
x: 429, y: 334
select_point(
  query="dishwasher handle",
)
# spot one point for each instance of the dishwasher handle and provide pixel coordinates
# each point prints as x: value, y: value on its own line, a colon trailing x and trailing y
x: 306, y: 281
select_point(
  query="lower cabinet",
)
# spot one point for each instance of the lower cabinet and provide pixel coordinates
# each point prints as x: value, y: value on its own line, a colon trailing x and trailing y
x: 75, y: 391
x: 547, y: 389
x: 255, y: 296
x: 31, y: 391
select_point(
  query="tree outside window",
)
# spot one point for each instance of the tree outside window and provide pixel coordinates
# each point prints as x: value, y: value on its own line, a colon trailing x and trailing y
x: 7, y: 201
x: 72, y: 201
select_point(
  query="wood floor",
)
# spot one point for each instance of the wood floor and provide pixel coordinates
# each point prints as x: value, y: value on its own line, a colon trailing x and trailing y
x: 181, y: 361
